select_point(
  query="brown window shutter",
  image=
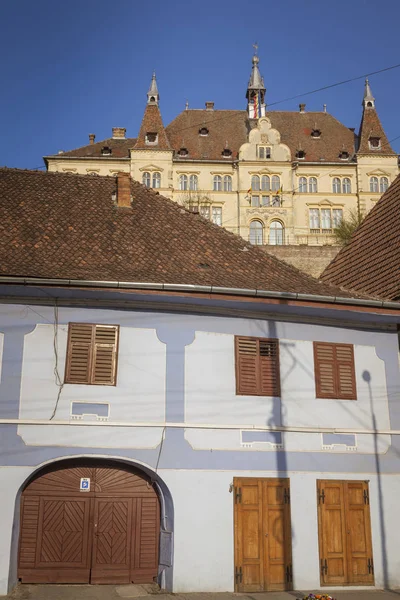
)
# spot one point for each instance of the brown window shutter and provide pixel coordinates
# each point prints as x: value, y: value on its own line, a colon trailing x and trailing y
x: 346, y: 377
x: 105, y: 354
x: 334, y: 371
x: 79, y: 353
x: 269, y: 368
x: 257, y: 367
x: 246, y: 366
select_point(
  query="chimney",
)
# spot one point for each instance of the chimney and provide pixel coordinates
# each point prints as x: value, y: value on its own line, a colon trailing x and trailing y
x: 92, y: 137
x: 124, y: 190
x: 118, y: 132
x: 209, y: 105
x: 302, y: 107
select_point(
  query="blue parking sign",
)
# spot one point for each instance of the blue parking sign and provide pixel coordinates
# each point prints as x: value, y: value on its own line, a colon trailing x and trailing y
x: 85, y: 484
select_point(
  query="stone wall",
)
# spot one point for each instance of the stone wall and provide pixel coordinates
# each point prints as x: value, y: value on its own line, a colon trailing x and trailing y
x: 310, y: 259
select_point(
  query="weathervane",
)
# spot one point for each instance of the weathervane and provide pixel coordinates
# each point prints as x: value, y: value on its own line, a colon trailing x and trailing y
x: 255, y: 46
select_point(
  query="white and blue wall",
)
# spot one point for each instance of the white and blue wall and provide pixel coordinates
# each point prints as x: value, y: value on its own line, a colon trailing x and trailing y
x: 177, y: 367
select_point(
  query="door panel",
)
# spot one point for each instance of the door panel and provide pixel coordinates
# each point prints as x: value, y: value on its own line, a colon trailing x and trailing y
x: 344, y: 533
x: 111, y: 547
x: 262, y: 535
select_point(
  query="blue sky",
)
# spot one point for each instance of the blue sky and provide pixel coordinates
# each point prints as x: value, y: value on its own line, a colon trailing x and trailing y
x: 82, y: 66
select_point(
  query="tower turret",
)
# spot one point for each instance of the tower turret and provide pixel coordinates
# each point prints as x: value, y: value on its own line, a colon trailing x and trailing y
x: 256, y: 90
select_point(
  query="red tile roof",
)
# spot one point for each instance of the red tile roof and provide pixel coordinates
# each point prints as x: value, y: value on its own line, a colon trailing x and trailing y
x: 370, y: 263
x: 372, y: 127
x: 119, y: 149
x: 230, y: 128
x: 58, y: 225
x: 152, y: 123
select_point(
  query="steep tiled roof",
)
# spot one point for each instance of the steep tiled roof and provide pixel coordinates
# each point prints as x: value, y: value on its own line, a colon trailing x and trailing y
x: 119, y: 149
x: 61, y: 225
x: 232, y: 127
x: 370, y: 263
x: 152, y: 123
x: 372, y: 127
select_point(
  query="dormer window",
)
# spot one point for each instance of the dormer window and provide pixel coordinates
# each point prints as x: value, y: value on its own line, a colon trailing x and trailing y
x: 226, y: 153
x: 374, y: 143
x: 316, y: 133
x: 151, y: 137
x: 183, y: 152
x: 106, y: 151
x: 344, y: 155
x: 264, y: 152
x: 203, y: 131
x: 300, y: 154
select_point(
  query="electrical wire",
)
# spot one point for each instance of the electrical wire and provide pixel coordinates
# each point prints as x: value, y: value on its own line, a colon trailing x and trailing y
x: 57, y: 376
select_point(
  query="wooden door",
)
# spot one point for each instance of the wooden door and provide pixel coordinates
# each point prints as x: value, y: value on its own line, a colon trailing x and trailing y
x: 262, y: 535
x: 111, y: 557
x: 345, y: 544
x: 109, y: 534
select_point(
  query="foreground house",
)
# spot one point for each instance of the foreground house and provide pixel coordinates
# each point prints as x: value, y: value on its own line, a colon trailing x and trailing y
x: 179, y: 406
x: 274, y: 177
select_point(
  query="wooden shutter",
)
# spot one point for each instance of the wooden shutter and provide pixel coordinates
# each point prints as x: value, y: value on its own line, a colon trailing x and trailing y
x: 79, y: 353
x: 257, y: 367
x: 334, y: 371
x: 346, y: 378
x: 246, y: 366
x: 344, y: 526
x: 92, y: 354
x: 269, y: 368
x: 105, y: 354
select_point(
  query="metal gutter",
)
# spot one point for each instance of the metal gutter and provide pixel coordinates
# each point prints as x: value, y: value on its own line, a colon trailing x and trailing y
x: 207, y: 289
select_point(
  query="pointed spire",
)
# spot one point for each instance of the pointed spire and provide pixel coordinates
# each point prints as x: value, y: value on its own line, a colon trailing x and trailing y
x: 153, y: 95
x: 372, y: 137
x: 256, y: 90
x: 368, y: 100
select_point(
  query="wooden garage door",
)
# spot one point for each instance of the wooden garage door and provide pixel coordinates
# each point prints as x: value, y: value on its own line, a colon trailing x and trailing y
x: 344, y: 527
x: 109, y: 534
x: 262, y: 535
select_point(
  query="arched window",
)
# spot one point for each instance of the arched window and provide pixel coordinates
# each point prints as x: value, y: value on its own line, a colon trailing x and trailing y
x: 302, y: 184
x: 256, y: 233
x: 275, y: 183
x: 346, y: 186
x: 276, y: 233
x: 156, y: 180
x: 255, y: 183
x: 183, y: 182
x: 336, y: 185
x: 383, y: 184
x: 373, y: 184
x: 313, y: 185
x: 217, y: 186
x: 265, y: 183
x: 193, y: 182
x: 227, y: 183
x: 146, y: 179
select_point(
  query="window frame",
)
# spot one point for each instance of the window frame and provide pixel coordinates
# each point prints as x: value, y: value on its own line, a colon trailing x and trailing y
x: 336, y: 185
x: 374, y: 184
x: 252, y: 227
x: 303, y: 185
x: 317, y: 379
x: 156, y: 180
x: 183, y: 183
x: 92, y: 349
x: 216, y: 215
x: 276, y: 365
x: 217, y: 183
x: 227, y: 183
x: 146, y: 177
x: 313, y: 185
x: 346, y: 185
x: 193, y: 183
x: 383, y: 184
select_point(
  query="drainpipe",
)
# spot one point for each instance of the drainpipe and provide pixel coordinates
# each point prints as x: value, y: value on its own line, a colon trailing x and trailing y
x: 236, y: 166
x: 294, y: 169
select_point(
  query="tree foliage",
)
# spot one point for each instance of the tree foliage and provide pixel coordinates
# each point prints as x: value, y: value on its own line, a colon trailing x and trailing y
x: 347, y: 227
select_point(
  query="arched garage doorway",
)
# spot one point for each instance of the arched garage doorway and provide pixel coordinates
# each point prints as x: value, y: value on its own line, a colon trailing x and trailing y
x: 89, y: 522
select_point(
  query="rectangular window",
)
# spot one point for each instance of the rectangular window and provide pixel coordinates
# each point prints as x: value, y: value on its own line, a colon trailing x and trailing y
x: 265, y: 201
x: 205, y: 211
x: 264, y: 152
x: 217, y: 215
x: 314, y: 218
x: 334, y: 371
x: 337, y: 217
x: 255, y: 201
x: 257, y: 367
x: 326, y: 218
x: 92, y: 354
